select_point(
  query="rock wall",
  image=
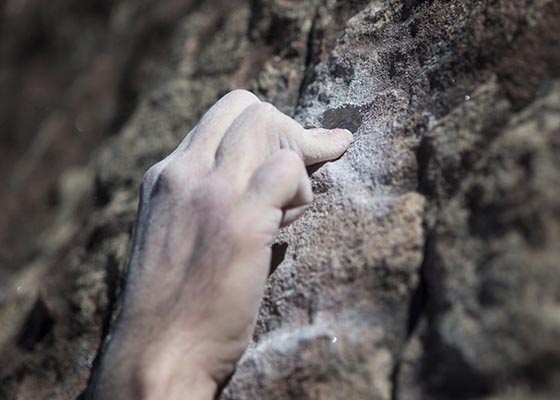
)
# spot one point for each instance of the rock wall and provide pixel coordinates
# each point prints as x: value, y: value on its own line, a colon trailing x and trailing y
x: 428, y: 265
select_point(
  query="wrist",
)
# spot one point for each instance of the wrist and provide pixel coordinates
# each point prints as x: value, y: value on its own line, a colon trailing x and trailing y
x: 164, y: 379
x: 133, y: 371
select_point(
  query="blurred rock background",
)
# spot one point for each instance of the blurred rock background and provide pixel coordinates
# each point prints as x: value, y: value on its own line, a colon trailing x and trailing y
x: 428, y: 265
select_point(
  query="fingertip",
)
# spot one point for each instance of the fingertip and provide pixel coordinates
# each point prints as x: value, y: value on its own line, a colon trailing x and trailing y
x: 341, y: 139
x: 346, y: 137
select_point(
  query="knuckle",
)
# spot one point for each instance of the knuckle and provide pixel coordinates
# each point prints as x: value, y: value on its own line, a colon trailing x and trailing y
x: 242, y: 95
x: 151, y: 177
x: 151, y: 174
x: 169, y: 181
x: 263, y: 110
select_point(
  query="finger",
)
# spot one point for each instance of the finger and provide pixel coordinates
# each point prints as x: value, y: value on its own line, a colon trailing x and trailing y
x: 251, y: 139
x: 262, y: 129
x: 281, y: 182
x: 208, y: 133
x: 320, y: 145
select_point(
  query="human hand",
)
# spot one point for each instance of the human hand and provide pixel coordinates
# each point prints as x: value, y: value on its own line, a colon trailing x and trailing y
x: 201, y: 253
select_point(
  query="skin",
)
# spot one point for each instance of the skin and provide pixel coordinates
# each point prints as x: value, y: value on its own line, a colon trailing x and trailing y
x: 201, y: 252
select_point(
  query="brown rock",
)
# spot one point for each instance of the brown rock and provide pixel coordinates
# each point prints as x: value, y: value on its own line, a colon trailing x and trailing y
x: 427, y: 267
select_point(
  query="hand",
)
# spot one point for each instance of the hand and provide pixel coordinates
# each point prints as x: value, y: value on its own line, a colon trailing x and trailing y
x: 201, y: 253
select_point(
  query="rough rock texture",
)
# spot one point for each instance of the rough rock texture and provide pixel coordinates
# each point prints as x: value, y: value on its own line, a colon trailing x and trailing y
x: 70, y: 74
x: 428, y: 265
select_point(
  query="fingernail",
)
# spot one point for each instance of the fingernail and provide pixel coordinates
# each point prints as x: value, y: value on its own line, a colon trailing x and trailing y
x: 346, y: 140
x: 328, y: 130
x: 318, y: 130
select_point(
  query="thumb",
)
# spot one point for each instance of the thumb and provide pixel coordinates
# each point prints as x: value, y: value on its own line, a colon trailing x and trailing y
x: 282, y: 181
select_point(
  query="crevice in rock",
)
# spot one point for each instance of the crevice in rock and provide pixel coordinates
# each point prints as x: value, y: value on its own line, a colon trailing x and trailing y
x: 278, y: 255
x: 395, y: 380
x: 255, y: 15
x: 309, y: 63
x: 416, y: 310
x: 37, y: 326
x: 424, y: 154
x: 419, y: 298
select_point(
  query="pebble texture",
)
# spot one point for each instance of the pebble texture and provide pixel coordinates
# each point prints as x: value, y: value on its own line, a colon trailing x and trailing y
x: 428, y: 265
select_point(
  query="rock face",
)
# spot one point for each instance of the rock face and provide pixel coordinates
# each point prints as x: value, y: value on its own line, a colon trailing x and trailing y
x: 428, y: 264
